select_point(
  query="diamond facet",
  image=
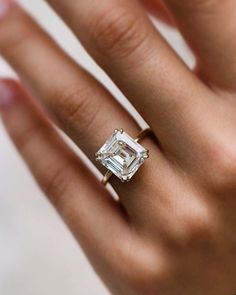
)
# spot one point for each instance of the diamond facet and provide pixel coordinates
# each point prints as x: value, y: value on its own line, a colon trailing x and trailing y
x: 122, y: 155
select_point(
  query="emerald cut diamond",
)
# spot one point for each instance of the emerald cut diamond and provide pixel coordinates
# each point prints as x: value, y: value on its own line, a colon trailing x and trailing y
x: 122, y: 155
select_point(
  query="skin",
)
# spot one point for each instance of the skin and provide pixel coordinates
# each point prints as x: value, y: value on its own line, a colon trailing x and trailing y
x: 173, y: 229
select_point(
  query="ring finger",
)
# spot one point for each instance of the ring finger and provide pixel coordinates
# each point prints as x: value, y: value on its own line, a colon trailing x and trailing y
x: 86, y: 111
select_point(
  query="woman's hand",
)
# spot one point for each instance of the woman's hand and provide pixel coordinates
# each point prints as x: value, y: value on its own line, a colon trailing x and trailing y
x: 173, y: 230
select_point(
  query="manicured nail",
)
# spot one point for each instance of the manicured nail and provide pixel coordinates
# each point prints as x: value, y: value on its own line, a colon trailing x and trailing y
x: 4, y: 7
x: 7, y: 95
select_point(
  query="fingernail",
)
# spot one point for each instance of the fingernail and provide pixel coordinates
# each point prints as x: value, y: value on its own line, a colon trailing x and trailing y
x: 4, y: 7
x: 7, y: 95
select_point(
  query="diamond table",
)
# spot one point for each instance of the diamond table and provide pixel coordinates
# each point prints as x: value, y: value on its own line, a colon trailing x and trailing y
x: 122, y: 155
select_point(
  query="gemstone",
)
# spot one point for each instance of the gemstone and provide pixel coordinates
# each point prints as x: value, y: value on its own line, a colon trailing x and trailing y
x: 122, y: 155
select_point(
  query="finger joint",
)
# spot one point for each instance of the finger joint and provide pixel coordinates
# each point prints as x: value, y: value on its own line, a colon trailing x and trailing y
x: 117, y: 33
x: 75, y: 109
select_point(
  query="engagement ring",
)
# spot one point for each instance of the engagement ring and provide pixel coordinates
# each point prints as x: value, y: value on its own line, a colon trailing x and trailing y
x: 122, y: 155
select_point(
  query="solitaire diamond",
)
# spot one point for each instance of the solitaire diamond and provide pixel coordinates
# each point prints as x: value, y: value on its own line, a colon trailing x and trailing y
x: 122, y: 155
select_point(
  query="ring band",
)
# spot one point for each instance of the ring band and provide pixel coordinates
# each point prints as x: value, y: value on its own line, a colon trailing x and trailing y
x: 106, y: 177
x: 143, y: 133
x: 122, y: 155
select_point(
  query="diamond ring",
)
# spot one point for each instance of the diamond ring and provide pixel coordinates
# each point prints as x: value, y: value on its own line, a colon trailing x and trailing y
x: 122, y: 155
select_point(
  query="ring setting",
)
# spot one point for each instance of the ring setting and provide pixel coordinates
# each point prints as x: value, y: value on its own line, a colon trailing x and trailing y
x: 122, y: 155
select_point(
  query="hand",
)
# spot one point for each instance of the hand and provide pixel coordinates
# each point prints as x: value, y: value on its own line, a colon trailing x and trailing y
x: 173, y: 229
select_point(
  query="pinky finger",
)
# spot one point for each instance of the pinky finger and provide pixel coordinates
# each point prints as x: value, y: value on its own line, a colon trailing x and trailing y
x: 93, y: 216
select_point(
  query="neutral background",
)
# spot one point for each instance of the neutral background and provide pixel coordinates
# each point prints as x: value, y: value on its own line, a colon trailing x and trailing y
x: 37, y: 253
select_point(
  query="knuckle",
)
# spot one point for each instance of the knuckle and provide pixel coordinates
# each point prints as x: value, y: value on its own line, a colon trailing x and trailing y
x: 52, y: 179
x: 145, y: 279
x: 24, y: 138
x: 221, y: 167
x: 197, y: 229
x: 145, y: 268
x: 196, y: 222
x: 55, y: 184
x: 117, y: 32
x: 74, y: 107
x: 199, y: 235
x: 21, y: 30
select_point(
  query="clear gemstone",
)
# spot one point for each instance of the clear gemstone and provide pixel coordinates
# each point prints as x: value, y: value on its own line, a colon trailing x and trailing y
x: 122, y: 155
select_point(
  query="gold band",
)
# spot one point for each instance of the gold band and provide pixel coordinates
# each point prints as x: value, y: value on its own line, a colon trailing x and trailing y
x: 142, y: 134
x: 140, y: 137
x: 106, y: 177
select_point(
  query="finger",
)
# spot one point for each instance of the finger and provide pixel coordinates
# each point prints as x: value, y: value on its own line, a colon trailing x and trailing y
x: 78, y: 102
x: 158, y: 9
x: 93, y: 216
x: 209, y: 27
x: 120, y: 37
x: 85, y: 110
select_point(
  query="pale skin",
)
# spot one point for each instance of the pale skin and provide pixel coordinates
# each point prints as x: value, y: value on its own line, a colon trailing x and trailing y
x: 173, y: 229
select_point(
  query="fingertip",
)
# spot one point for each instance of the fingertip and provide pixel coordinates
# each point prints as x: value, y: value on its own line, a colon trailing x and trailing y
x: 9, y: 93
x: 5, y: 6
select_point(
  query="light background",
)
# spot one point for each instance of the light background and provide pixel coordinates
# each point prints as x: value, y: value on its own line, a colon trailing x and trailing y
x: 38, y: 256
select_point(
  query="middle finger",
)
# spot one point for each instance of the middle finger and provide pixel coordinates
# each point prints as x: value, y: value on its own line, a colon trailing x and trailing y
x: 122, y: 40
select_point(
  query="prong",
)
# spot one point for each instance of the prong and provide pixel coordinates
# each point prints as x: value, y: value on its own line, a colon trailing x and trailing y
x: 119, y: 130
x: 146, y: 155
x: 97, y: 156
x: 128, y: 179
x: 141, y: 160
x: 125, y: 179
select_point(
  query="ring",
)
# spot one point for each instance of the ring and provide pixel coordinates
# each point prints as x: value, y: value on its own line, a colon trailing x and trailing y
x: 122, y: 155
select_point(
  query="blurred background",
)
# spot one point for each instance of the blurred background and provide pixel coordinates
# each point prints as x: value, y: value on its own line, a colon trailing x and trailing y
x: 38, y: 255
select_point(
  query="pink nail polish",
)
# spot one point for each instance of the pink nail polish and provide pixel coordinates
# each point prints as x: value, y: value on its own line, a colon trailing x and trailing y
x: 4, y: 7
x: 7, y: 95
